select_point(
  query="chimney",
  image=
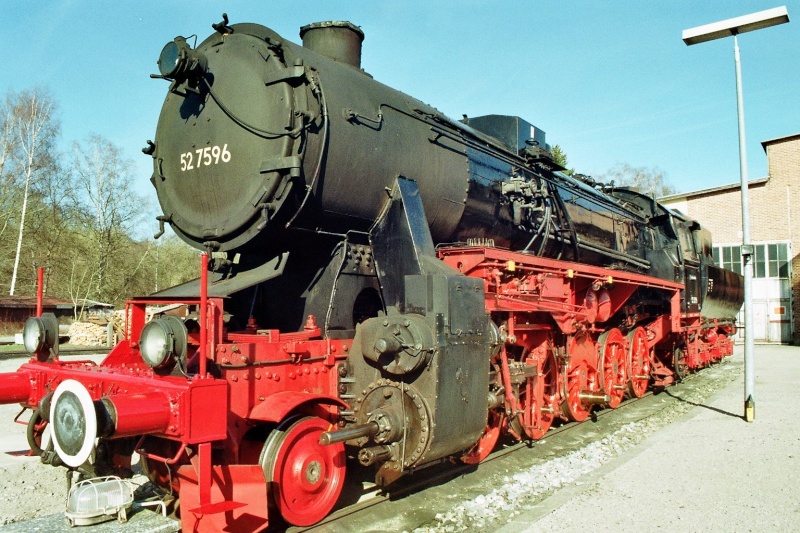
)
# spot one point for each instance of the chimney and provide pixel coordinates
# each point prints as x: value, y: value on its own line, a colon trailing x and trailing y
x: 336, y: 39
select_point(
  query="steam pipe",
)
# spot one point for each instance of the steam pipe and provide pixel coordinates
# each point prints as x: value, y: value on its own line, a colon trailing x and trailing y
x: 15, y: 387
x: 136, y: 414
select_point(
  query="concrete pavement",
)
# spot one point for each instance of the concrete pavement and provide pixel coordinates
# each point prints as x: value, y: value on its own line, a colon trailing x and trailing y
x: 710, y: 471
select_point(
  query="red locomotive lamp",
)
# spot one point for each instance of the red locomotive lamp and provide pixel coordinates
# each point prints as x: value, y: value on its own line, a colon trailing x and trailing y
x: 376, y: 267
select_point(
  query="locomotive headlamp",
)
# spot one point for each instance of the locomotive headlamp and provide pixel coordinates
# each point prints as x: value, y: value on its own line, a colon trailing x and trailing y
x: 40, y: 336
x: 173, y: 57
x: 33, y: 334
x: 178, y: 60
x: 163, y: 342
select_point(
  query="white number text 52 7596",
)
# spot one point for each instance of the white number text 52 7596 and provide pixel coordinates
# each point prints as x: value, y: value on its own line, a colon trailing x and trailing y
x: 204, y: 157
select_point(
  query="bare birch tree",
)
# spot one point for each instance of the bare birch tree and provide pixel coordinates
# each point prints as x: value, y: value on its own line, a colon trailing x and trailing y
x: 103, y: 184
x: 7, y: 121
x: 33, y: 133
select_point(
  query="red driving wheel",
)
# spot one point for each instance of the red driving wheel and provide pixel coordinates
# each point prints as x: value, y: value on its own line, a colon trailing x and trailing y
x: 537, y: 397
x: 306, y: 477
x: 581, y: 377
x: 612, y: 352
x: 638, y: 364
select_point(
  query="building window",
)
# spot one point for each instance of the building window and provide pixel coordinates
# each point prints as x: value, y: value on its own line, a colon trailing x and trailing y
x: 731, y: 258
x: 760, y: 264
x: 769, y: 260
x: 778, y: 260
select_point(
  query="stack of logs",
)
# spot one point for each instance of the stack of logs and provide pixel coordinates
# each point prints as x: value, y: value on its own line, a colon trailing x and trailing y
x: 94, y: 331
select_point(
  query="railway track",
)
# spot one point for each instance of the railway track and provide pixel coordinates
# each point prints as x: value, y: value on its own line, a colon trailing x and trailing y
x: 437, y: 475
x: 418, y: 501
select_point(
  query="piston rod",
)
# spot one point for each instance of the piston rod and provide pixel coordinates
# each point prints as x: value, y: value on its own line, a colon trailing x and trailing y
x: 356, y: 432
x: 592, y: 398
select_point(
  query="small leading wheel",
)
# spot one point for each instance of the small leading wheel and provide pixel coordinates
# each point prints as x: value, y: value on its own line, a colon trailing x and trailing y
x: 488, y: 440
x: 679, y: 361
x: 537, y: 399
x: 305, y: 477
x: 161, y: 474
x: 638, y: 363
x: 612, y: 351
x: 546, y: 390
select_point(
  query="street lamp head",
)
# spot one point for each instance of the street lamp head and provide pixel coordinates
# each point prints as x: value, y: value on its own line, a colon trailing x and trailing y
x: 735, y: 26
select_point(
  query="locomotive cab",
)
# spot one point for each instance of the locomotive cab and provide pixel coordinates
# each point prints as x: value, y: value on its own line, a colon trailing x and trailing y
x: 715, y: 293
x: 691, y: 261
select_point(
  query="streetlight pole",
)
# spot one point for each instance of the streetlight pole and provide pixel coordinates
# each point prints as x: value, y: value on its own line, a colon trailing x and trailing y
x: 726, y: 28
x: 747, y: 249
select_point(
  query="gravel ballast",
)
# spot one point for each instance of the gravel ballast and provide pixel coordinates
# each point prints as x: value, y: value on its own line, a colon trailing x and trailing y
x: 520, y: 492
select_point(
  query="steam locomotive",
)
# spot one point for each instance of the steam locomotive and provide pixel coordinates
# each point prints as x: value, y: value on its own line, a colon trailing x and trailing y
x: 380, y: 285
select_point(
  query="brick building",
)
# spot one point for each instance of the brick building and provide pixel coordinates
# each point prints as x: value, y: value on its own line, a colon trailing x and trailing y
x: 774, y: 230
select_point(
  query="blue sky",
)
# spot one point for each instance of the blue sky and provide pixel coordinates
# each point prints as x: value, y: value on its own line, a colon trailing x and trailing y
x: 611, y: 82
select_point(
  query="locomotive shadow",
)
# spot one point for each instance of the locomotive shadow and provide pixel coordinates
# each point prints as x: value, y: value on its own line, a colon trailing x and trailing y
x: 695, y: 404
x: 360, y: 482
